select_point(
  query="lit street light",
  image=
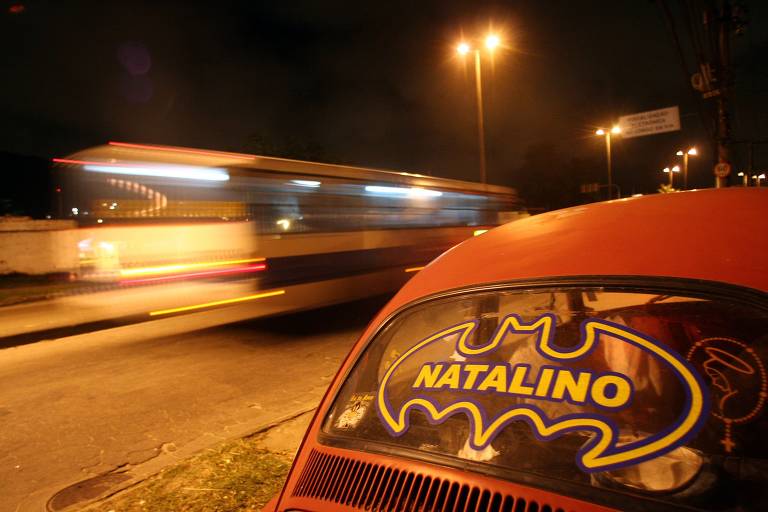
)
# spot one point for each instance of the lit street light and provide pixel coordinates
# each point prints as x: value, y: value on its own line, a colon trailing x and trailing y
x: 492, y: 41
x: 671, y: 173
x: 685, y: 154
x: 607, y: 134
x: 744, y: 177
x: 759, y: 178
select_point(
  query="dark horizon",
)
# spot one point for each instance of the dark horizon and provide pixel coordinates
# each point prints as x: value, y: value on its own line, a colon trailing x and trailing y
x: 370, y: 85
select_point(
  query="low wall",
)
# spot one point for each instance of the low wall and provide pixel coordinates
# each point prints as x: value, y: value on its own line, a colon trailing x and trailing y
x: 44, y: 247
x: 10, y: 224
x: 37, y: 246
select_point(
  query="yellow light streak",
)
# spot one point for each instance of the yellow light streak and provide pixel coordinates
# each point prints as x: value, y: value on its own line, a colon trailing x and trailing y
x: 217, y: 303
x: 171, y: 269
x: 479, y: 232
x: 413, y: 269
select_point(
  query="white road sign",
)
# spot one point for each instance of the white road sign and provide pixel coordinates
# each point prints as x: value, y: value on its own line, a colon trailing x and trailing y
x: 651, y: 122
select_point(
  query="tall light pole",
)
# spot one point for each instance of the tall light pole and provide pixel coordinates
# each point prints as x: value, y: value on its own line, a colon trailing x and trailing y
x: 672, y: 172
x: 491, y: 42
x: 607, y: 134
x: 685, y: 154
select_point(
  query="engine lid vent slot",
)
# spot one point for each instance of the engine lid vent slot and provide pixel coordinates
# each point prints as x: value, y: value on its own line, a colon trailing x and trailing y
x: 367, y: 486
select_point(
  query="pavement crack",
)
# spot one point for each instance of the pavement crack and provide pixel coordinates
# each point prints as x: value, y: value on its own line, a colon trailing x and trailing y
x: 137, y: 457
x: 122, y: 468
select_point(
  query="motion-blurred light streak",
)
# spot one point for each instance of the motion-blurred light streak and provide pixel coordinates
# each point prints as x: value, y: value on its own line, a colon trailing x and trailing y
x: 170, y: 269
x: 402, y: 191
x: 186, y: 172
x: 242, y: 156
x: 192, y: 275
x: 189, y: 172
x: 217, y: 303
x: 306, y: 183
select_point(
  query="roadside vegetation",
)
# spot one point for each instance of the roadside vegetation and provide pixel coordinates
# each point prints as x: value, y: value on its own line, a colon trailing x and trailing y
x: 241, y: 475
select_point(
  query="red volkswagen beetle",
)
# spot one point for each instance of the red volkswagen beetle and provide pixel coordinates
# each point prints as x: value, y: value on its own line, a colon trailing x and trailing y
x: 604, y: 357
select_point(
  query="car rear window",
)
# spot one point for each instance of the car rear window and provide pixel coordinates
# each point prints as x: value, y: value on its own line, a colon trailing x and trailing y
x: 644, y: 392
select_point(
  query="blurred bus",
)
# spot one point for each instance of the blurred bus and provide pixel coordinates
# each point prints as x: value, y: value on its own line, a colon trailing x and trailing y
x: 317, y: 233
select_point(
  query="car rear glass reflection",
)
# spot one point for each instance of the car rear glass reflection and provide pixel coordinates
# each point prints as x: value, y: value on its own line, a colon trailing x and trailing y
x: 643, y: 392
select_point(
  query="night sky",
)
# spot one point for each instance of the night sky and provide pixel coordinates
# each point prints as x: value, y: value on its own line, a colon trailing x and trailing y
x: 367, y: 83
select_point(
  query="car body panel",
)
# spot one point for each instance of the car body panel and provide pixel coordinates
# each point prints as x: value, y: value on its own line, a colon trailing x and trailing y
x: 710, y: 236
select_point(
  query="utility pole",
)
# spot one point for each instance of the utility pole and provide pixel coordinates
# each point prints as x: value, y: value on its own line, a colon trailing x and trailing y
x: 480, y: 127
x: 725, y: 27
x: 608, y: 156
x: 714, y: 76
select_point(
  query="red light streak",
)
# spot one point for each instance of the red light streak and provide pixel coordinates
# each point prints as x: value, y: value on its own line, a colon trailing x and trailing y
x: 242, y: 156
x: 87, y: 162
x: 236, y: 270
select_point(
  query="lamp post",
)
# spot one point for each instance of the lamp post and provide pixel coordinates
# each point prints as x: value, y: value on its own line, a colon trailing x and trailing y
x: 759, y: 178
x: 744, y: 179
x: 671, y: 173
x: 607, y: 134
x: 684, y: 154
x: 492, y: 41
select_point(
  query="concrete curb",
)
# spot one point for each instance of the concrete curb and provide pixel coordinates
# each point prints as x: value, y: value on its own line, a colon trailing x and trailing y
x: 165, y: 459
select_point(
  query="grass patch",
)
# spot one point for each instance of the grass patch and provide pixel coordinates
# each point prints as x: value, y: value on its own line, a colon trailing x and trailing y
x: 237, y: 476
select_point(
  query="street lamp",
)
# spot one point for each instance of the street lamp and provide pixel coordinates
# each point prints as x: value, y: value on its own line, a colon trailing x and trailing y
x: 671, y: 173
x: 759, y: 178
x: 744, y: 177
x: 492, y: 41
x: 607, y: 134
x: 684, y: 154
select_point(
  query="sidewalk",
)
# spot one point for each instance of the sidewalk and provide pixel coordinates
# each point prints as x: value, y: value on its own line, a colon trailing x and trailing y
x: 239, y: 475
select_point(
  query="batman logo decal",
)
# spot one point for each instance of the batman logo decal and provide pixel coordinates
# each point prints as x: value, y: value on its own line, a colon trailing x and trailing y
x: 533, y: 393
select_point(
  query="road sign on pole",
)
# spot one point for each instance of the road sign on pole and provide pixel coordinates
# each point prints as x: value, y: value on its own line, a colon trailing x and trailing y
x: 650, y: 123
x: 722, y: 169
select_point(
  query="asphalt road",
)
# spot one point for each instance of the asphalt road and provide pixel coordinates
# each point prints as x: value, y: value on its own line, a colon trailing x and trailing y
x: 78, y: 407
